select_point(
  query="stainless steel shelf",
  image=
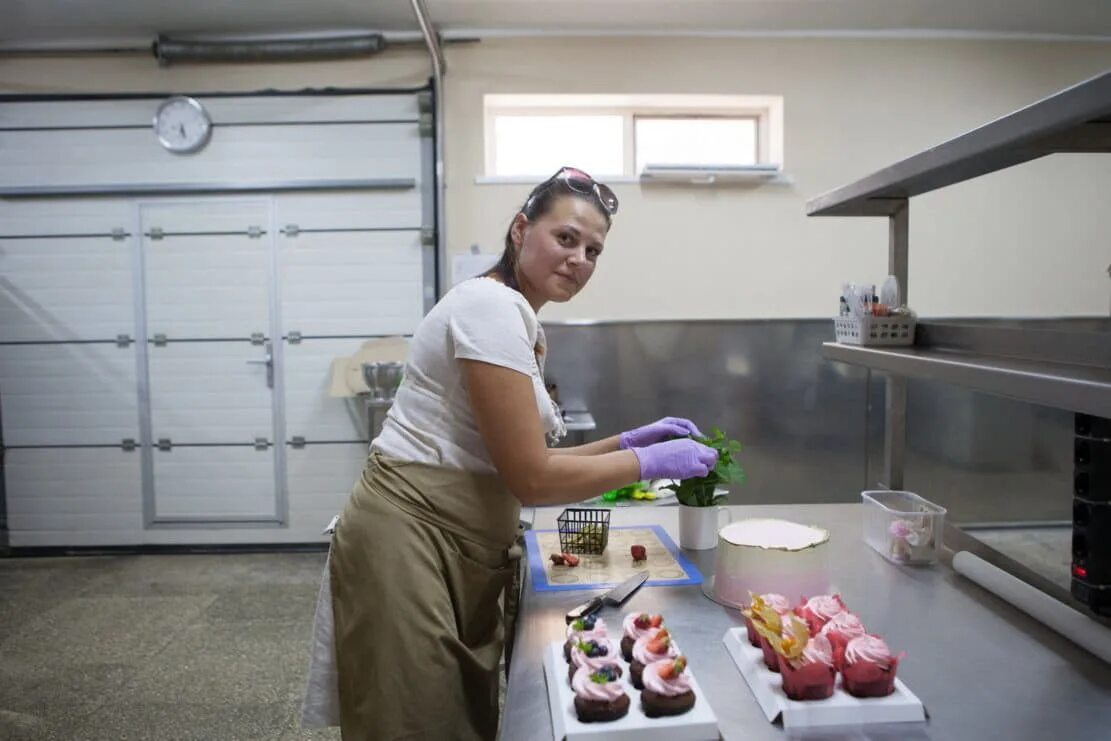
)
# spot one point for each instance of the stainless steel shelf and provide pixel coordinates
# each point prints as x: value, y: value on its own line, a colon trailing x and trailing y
x: 1077, y: 119
x: 1080, y: 388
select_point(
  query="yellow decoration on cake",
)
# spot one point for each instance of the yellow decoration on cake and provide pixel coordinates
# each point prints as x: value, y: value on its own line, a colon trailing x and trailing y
x: 791, y: 646
x: 763, y: 617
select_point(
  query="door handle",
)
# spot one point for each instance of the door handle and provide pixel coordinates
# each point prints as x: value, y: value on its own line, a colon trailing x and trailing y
x: 268, y: 361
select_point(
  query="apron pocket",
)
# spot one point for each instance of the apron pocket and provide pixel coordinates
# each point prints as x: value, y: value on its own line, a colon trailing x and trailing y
x: 477, y: 578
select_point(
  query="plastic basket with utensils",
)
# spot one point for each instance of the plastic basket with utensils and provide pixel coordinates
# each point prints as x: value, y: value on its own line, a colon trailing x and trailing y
x: 583, y: 530
x: 875, y: 330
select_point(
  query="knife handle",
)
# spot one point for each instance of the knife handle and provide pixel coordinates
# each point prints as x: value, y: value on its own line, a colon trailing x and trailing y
x: 583, y: 610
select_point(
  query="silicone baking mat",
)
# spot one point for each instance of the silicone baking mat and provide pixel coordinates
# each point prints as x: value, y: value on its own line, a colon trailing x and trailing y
x: 666, y: 565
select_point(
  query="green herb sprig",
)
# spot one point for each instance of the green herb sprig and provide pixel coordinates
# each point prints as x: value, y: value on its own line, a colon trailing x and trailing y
x: 699, y: 491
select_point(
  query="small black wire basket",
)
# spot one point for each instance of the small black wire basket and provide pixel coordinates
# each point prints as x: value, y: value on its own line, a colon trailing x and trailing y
x: 583, y: 530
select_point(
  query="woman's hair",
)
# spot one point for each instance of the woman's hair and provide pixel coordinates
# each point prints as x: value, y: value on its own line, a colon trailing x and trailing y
x: 539, y: 203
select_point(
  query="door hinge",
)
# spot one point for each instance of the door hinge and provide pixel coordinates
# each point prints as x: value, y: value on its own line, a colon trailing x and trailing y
x: 428, y: 236
x: 159, y: 340
x: 123, y: 340
x: 258, y: 338
x: 424, y: 101
x: 294, y: 338
x: 254, y: 232
x: 128, y: 444
x: 119, y: 234
x: 164, y: 443
x: 291, y: 230
x: 297, y: 442
x: 155, y: 233
x: 261, y: 443
x: 426, y: 126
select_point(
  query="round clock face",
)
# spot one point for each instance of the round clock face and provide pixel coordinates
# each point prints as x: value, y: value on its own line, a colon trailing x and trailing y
x: 182, y: 125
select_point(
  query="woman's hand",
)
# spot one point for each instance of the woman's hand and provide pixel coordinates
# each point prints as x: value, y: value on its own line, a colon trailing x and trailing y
x: 658, y: 432
x: 676, y: 459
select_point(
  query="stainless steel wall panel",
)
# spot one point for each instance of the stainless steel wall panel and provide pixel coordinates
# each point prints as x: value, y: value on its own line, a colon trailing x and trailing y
x: 800, y: 419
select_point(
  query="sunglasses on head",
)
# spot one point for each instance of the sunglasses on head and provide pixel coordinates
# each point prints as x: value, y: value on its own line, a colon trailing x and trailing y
x: 580, y: 182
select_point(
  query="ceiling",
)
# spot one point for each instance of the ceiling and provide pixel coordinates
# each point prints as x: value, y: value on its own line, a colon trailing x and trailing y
x: 39, y: 23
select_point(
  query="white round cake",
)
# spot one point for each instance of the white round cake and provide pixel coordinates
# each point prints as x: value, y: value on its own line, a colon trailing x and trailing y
x: 766, y: 555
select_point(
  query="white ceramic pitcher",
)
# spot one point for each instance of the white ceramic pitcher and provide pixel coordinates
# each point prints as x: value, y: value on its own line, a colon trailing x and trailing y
x: 698, y: 526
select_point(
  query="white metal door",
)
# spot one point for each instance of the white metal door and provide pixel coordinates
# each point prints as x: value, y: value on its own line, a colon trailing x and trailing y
x: 210, y: 316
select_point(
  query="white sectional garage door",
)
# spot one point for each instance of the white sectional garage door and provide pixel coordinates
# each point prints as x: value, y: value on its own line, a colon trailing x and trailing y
x: 168, y: 323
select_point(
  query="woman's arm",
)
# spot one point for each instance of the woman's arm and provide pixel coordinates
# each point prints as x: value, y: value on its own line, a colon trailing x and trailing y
x: 504, y: 407
x: 608, y: 445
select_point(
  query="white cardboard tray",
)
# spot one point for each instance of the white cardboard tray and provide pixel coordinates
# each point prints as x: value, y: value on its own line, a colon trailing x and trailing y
x: 840, y: 709
x: 697, y: 724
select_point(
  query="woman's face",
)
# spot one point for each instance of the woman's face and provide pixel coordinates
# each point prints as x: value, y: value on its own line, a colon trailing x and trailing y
x: 557, y: 251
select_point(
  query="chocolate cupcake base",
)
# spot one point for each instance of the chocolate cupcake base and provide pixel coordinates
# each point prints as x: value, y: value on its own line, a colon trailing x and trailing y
x: 656, y: 705
x: 596, y: 711
x: 627, y: 648
x: 636, y: 674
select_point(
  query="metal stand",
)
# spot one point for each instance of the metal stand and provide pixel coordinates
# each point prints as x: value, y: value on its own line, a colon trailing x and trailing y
x: 895, y: 399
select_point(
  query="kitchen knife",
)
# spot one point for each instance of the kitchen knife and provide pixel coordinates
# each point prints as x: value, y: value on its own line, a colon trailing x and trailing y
x: 613, y: 597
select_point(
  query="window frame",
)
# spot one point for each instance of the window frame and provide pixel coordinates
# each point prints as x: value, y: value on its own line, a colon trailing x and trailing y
x: 767, y: 110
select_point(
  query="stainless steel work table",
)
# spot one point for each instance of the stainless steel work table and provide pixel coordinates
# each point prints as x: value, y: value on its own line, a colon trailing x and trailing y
x: 983, y: 669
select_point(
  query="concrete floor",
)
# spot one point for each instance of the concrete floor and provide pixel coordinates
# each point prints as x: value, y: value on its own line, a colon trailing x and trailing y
x: 156, y: 647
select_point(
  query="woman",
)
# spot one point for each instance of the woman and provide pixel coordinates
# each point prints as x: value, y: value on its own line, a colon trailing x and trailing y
x: 421, y: 553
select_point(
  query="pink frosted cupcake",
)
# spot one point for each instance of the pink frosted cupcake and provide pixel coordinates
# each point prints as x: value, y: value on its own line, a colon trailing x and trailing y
x: 810, y: 675
x: 869, y: 668
x: 593, y: 654
x: 777, y: 602
x: 583, y: 629
x: 599, y: 696
x: 817, y: 611
x: 667, y: 688
x: 841, y: 628
x: 636, y: 625
x: 648, y: 649
x: 767, y: 623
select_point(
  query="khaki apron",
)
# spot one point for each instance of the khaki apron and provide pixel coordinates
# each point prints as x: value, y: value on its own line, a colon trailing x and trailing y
x: 419, y: 560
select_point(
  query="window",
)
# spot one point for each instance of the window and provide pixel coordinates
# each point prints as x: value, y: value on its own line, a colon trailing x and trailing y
x: 592, y: 142
x: 696, y: 142
x: 617, y: 136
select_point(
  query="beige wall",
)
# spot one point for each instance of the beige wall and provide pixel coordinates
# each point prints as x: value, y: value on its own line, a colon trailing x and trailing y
x: 1032, y: 241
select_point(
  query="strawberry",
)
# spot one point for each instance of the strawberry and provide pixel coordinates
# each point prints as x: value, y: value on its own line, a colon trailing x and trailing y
x: 642, y: 621
x: 673, y: 668
x: 640, y: 553
x: 557, y: 559
x: 659, y: 642
x: 570, y: 560
x: 656, y: 621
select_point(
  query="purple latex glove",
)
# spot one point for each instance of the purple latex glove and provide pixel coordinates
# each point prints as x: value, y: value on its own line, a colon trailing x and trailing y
x: 675, y: 459
x: 658, y: 431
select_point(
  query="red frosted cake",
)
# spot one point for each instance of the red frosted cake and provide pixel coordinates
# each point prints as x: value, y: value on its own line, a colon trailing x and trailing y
x: 766, y: 621
x: 841, y: 629
x: 817, y: 611
x: 869, y: 667
x: 806, y: 663
x: 777, y: 602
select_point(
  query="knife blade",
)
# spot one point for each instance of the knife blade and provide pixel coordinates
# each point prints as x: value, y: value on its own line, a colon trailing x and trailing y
x: 613, y: 597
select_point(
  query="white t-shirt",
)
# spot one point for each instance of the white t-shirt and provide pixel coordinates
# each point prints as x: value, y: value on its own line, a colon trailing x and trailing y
x: 431, y: 420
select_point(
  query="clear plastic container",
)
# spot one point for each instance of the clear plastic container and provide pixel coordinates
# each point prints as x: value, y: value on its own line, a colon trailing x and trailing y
x: 902, y: 526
